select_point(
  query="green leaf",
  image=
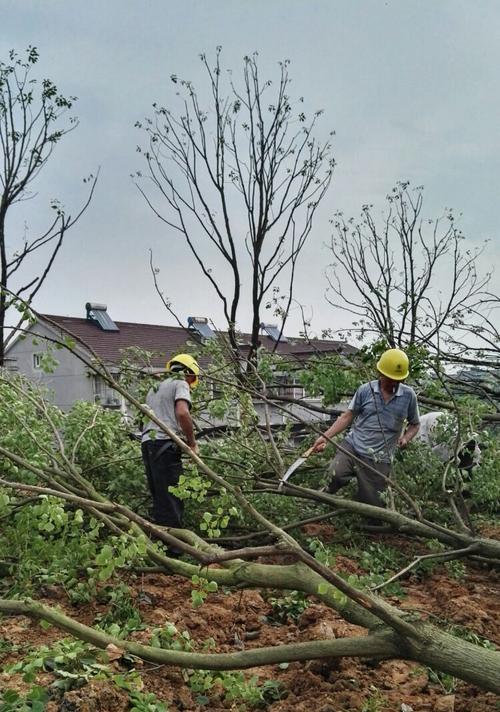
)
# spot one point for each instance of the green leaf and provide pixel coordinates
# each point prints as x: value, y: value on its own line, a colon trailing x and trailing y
x: 10, y: 696
x: 197, y: 599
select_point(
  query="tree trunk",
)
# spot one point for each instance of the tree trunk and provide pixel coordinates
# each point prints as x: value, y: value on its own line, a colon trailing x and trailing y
x: 3, y: 283
x: 455, y: 656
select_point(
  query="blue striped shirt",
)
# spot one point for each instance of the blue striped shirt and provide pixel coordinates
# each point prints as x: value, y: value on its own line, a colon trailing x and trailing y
x: 378, y: 425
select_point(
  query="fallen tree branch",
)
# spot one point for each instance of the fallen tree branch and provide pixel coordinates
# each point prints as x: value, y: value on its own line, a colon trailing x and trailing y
x: 441, y: 557
x: 487, y: 548
x: 376, y: 607
x: 441, y: 651
x: 287, y: 527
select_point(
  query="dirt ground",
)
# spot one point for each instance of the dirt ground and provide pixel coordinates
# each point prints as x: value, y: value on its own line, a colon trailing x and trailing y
x: 240, y: 620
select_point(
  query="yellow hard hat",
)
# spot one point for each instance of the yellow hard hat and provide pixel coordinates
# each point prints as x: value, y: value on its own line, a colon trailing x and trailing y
x: 394, y: 364
x: 188, y: 363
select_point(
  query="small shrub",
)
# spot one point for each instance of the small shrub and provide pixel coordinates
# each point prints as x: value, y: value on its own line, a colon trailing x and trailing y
x: 234, y: 687
x: 139, y: 701
x: 288, y: 609
x: 169, y: 638
x: 73, y: 662
x: 33, y: 701
x: 122, y: 610
x: 201, y: 588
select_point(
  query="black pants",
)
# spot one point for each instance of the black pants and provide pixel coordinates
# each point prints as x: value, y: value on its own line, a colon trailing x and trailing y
x: 163, y: 468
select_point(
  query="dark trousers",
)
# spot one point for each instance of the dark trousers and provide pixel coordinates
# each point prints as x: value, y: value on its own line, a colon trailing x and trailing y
x: 162, y: 462
x: 370, y: 484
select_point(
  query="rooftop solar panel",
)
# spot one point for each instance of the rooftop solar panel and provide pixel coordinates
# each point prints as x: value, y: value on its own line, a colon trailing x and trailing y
x: 274, y: 333
x: 200, y: 325
x: 98, y: 314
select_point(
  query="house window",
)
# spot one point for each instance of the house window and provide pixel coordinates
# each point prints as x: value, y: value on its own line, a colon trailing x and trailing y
x: 286, y: 385
x: 98, y: 389
x: 11, y: 364
x: 104, y: 395
x: 37, y: 361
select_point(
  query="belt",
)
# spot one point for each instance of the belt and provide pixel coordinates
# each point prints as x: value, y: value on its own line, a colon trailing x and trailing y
x: 161, y: 446
x: 167, y: 445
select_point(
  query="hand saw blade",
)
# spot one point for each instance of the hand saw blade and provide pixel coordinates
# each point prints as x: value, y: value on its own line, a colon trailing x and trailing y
x: 294, y: 466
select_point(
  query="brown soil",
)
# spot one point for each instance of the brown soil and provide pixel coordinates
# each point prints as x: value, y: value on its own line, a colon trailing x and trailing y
x: 239, y: 620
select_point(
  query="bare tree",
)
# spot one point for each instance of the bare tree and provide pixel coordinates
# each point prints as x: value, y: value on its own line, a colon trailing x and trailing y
x: 240, y: 180
x: 482, y: 321
x: 412, y: 280
x: 30, y: 127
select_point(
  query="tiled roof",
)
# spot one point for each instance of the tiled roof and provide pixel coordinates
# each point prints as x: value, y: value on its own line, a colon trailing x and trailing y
x: 166, y: 341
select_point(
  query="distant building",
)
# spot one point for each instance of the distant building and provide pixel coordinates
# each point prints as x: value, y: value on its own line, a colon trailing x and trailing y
x: 72, y: 380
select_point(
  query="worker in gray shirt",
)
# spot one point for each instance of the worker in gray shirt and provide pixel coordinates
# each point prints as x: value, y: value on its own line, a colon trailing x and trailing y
x: 170, y: 401
x: 384, y: 415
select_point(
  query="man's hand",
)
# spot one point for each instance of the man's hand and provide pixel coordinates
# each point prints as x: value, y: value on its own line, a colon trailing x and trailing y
x: 409, y: 434
x: 186, y: 423
x: 342, y: 422
x: 320, y: 444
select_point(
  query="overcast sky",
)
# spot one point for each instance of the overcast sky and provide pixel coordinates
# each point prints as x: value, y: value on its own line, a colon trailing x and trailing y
x: 410, y: 87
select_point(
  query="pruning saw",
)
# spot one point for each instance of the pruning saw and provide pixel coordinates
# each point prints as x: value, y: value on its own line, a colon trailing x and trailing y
x: 294, y: 466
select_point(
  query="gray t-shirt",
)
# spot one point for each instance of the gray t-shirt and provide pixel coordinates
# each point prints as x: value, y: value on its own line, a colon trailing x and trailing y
x: 378, y: 425
x: 162, y: 400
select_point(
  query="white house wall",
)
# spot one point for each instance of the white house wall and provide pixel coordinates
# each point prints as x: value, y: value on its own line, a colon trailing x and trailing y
x: 68, y: 382
x: 294, y: 412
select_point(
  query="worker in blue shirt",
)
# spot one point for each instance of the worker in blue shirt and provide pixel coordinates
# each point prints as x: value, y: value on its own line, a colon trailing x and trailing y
x: 382, y: 416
